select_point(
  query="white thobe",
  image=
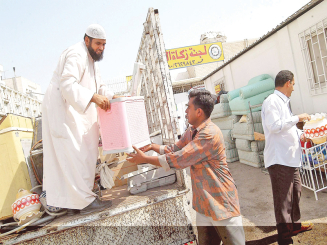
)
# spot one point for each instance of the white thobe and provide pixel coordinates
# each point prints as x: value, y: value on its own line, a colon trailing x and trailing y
x: 70, y: 130
x: 282, y: 136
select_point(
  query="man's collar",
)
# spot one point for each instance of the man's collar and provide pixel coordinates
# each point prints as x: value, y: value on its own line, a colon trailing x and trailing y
x: 202, y: 125
x: 281, y: 95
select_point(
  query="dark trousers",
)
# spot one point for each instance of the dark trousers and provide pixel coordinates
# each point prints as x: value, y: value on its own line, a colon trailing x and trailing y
x: 286, y: 189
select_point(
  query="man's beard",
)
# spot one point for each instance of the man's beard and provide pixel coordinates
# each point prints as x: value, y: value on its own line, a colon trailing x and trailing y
x: 94, y: 55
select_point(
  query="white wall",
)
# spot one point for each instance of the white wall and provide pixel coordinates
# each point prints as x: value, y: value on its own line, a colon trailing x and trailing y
x: 28, y: 85
x: 281, y: 51
x: 181, y: 100
x: 24, y: 86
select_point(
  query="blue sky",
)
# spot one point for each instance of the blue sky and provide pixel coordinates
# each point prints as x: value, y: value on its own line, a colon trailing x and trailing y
x: 34, y: 33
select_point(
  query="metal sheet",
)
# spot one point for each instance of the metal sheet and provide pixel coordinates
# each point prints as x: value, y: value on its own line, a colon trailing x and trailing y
x: 160, y: 220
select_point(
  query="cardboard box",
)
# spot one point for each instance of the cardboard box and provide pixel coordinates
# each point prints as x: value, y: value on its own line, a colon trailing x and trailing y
x: 121, y: 169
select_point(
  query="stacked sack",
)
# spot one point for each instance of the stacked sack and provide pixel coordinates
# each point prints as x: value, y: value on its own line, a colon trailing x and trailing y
x: 223, y: 118
x: 255, y: 92
x: 248, y: 149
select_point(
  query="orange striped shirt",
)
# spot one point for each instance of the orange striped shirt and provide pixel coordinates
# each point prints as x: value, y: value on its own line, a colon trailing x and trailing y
x: 214, y: 190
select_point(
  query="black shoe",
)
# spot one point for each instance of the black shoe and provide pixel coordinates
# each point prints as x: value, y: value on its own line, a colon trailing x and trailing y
x: 71, y: 212
x: 96, y: 206
x: 285, y: 241
x: 284, y: 234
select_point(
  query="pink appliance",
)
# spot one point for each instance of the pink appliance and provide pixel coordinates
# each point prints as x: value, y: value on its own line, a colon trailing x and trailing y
x: 124, y: 125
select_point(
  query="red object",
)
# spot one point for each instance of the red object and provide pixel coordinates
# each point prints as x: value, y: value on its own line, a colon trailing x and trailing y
x: 306, y: 144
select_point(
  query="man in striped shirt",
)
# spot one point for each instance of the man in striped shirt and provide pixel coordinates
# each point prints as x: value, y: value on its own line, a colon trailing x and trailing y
x: 201, y: 147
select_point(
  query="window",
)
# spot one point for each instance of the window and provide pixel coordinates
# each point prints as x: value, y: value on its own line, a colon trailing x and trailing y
x: 314, y: 49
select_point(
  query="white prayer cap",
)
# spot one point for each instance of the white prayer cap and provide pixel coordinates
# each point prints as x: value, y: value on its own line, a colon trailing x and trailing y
x: 95, y: 31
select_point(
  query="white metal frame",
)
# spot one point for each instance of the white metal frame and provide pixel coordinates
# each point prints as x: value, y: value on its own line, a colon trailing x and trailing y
x: 314, y: 168
x: 156, y: 85
x: 320, y: 28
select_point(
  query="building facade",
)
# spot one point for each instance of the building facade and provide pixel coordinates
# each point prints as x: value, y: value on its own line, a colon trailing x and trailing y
x: 298, y: 44
x: 194, y: 75
x: 20, y: 96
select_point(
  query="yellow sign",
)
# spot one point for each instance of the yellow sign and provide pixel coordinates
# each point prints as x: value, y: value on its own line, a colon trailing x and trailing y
x: 194, y: 55
x: 217, y: 88
x: 128, y: 78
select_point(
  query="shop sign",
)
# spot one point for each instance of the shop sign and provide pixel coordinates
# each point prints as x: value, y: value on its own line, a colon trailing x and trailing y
x: 194, y: 55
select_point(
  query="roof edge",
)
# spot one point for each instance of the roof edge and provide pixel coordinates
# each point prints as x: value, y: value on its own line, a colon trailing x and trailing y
x: 289, y: 20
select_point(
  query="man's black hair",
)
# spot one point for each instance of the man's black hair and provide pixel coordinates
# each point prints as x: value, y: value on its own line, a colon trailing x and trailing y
x: 202, y: 99
x: 283, y: 77
x: 91, y: 38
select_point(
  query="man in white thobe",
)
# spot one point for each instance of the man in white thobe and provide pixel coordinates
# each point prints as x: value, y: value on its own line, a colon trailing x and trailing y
x: 69, y: 125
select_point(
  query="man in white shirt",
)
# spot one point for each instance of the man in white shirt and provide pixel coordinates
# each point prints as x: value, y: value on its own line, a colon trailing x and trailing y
x: 282, y: 156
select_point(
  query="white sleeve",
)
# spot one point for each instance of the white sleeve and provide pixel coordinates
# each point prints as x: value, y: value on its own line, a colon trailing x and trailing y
x: 273, y: 119
x: 74, y: 94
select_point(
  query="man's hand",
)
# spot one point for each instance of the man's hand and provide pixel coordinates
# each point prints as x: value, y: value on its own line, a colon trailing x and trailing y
x: 304, y: 117
x: 146, y: 148
x: 138, y: 157
x: 101, y: 101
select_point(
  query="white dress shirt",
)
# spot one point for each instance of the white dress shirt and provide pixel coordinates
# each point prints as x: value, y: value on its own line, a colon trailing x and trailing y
x: 282, y: 136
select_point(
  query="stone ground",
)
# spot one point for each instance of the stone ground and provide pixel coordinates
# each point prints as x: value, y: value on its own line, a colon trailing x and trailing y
x: 257, y: 208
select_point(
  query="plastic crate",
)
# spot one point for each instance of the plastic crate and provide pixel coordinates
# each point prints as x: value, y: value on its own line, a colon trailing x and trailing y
x: 124, y: 125
x: 314, y: 167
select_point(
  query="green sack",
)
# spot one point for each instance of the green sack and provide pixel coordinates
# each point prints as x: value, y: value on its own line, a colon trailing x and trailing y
x: 256, y: 144
x: 245, y: 131
x: 231, y: 155
x: 258, y: 78
x: 227, y: 134
x: 250, y: 157
x: 257, y: 88
x: 229, y: 146
x: 242, y: 144
x: 221, y: 110
x: 256, y: 117
x: 240, y: 106
x: 224, y: 98
x: 233, y: 94
x: 226, y: 122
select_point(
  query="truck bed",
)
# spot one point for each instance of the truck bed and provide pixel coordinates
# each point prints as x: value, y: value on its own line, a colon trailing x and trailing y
x: 123, y: 202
